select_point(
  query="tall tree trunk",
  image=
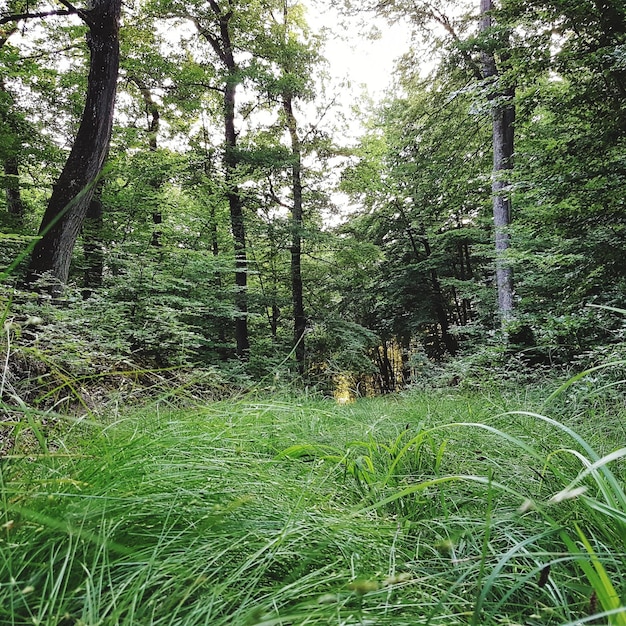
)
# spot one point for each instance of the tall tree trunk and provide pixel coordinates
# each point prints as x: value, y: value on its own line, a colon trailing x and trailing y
x: 503, y: 119
x: 449, y: 341
x: 75, y: 187
x: 15, y: 205
x: 439, y: 304
x: 223, y: 47
x: 299, y: 318
x: 237, y: 222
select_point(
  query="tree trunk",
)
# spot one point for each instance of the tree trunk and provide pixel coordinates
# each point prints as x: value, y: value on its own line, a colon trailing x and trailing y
x: 439, y: 304
x: 237, y: 222
x: 449, y: 341
x: 15, y: 204
x: 93, y: 247
x: 75, y: 187
x: 223, y: 47
x: 299, y: 317
x: 154, y: 122
x: 503, y: 119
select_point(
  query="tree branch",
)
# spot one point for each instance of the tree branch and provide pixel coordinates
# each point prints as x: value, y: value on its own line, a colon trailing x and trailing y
x: 18, y: 17
x: 443, y: 20
x: 215, y: 44
x: 215, y: 7
x: 271, y: 194
x: 193, y: 84
x: 84, y: 15
x: 4, y: 36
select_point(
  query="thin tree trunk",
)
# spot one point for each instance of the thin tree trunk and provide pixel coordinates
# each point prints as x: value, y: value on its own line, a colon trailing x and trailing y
x: 75, y: 187
x: 237, y: 222
x: 15, y: 204
x: 93, y: 248
x: 449, y: 341
x: 405, y: 346
x: 503, y: 119
x: 154, y: 122
x: 223, y: 47
x: 299, y: 317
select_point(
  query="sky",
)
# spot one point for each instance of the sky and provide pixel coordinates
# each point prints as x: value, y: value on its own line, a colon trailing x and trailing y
x: 353, y: 55
x: 366, y: 62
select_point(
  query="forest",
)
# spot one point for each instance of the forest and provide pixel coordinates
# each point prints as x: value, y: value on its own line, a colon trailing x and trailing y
x: 278, y: 351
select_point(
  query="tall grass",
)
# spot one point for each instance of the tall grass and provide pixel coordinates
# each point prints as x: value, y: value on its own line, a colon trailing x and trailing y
x: 426, y: 509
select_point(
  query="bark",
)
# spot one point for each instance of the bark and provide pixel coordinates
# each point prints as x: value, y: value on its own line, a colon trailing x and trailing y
x: 503, y: 119
x: 449, y: 341
x: 223, y: 47
x: 75, y: 187
x: 15, y: 204
x: 93, y: 247
x: 299, y: 317
x: 154, y: 122
x: 385, y: 369
x: 405, y: 346
x: 237, y: 225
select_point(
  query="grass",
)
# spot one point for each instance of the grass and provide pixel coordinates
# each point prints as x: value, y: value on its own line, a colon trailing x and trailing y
x: 423, y: 509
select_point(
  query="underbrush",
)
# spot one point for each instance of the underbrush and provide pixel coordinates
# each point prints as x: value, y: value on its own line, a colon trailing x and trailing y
x: 430, y: 508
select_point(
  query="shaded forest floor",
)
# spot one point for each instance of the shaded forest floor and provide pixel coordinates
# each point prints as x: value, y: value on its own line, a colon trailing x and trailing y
x: 425, y: 508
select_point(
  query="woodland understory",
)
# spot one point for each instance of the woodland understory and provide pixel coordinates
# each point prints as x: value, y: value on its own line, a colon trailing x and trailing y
x: 206, y: 211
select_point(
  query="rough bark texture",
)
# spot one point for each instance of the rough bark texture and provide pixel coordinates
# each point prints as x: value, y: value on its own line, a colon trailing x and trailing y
x: 75, y: 187
x: 237, y: 224
x: 299, y: 317
x: 503, y: 119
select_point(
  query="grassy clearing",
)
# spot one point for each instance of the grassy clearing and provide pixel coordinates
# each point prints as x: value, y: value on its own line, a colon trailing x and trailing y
x: 425, y: 509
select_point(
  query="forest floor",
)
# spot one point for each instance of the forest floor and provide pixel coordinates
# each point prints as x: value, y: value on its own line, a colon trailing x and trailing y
x: 425, y: 508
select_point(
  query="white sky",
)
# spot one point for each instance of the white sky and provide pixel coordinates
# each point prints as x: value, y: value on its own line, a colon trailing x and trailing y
x: 366, y: 62
x: 351, y: 54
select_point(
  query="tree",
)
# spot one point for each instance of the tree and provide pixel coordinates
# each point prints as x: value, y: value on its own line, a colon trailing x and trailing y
x: 419, y: 174
x: 299, y: 317
x: 220, y: 37
x: 503, y: 119
x: 294, y: 60
x: 75, y: 186
x: 8, y: 149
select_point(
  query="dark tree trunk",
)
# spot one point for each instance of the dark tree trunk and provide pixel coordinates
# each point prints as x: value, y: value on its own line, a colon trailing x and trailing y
x: 15, y: 204
x: 503, y: 119
x: 405, y: 345
x: 154, y: 122
x: 223, y: 47
x: 74, y: 189
x: 93, y: 248
x: 439, y: 304
x: 449, y: 341
x: 237, y: 223
x: 384, y: 368
x: 299, y: 317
